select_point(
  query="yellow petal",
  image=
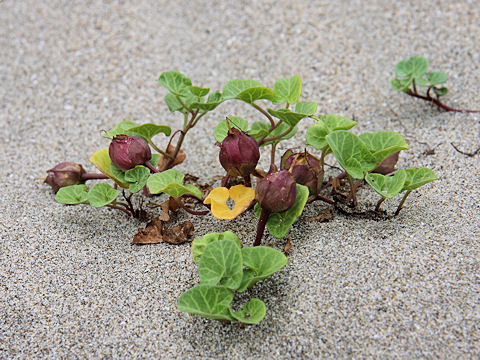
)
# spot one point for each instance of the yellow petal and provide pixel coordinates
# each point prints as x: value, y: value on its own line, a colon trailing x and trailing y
x: 102, y: 162
x: 218, y: 197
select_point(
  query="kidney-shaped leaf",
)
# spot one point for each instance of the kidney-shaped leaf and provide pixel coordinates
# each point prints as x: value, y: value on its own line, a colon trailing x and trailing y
x: 287, y: 116
x: 326, y: 124
x: 235, y: 87
x: 221, y: 131
x: 137, y: 177
x: 418, y: 177
x: 415, y: 67
x: 214, y: 99
x: 287, y: 90
x: 199, y: 91
x: 256, y: 93
x: 382, y: 144
x: 436, y: 78
x: 120, y: 128
x: 72, y: 195
x: 102, y: 162
x: 175, y: 82
x: 212, y: 302
x: 221, y: 262
x: 252, y: 313
x: 352, y: 153
x: 278, y: 224
x: 306, y: 107
x: 218, y: 197
x: 147, y: 131
x: 199, y: 244
x: 102, y: 194
x: 387, y: 186
x: 264, y: 261
x: 171, y: 182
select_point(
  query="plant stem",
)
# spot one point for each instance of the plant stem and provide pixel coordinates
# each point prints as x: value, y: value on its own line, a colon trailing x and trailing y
x: 277, y: 137
x: 470, y: 154
x: 157, y: 149
x: 272, y: 123
x: 321, y: 198
x: 414, y: 85
x: 151, y: 167
x: 439, y: 103
x: 353, y: 192
x: 261, y: 226
x: 248, y: 181
x: 120, y: 208
x: 90, y: 176
x: 190, y: 211
x: 379, y: 203
x: 272, y: 158
x: 400, y: 206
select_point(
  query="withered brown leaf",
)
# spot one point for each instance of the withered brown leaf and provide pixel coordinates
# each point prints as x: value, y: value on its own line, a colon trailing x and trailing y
x: 324, y: 215
x: 288, y: 246
x: 155, y: 232
x: 181, y: 156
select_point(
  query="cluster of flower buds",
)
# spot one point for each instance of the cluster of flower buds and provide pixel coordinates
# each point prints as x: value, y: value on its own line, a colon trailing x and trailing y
x: 65, y: 174
x: 129, y: 151
x: 305, y: 168
x: 239, y: 153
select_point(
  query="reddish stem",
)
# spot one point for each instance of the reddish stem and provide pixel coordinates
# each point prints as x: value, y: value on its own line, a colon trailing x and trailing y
x: 261, y: 226
x: 90, y: 176
x: 439, y: 103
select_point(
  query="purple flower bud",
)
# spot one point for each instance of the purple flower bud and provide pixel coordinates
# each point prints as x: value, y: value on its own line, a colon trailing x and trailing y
x: 305, y: 168
x: 129, y: 151
x: 388, y: 165
x: 64, y: 174
x: 239, y: 153
x: 276, y: 192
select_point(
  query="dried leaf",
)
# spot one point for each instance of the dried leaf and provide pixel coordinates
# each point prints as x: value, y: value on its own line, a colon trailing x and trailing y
x: 324, y: 215
x: 155, y: 233
x: 218, y: 197
x: 288, y: 246
x: 181, y: 156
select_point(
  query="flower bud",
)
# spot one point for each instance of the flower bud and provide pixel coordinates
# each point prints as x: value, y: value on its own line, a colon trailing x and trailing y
x: 305, y: 168
x: 129, y: 151
x: 276, y: 192
x: 239, y: 153
x: 387, y: 166
x: 64, y: 174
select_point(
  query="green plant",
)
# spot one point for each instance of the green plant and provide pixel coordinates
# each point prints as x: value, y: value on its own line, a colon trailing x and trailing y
x: 224, y: 267
x: 412, y: 74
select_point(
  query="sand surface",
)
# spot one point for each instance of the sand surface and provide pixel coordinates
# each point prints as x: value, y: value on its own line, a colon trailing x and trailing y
x: 72, y: 285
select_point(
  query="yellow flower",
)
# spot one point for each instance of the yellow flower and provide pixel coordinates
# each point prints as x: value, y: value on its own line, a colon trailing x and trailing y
x: 218, y: 197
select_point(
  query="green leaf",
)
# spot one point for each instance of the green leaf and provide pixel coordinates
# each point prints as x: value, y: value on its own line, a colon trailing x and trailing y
x: 213, y: 101
x: 221, y: 131
x: 287, y: 116
x: 102, y: 194
x: 253, y: 94
x: 260, y: 129
x: 418, y: 177
x: 248, y: 276
x: 352, y: 153
x: 263, y: 261
x: 436, y: 78
x: 278, y: 224
x: 387, y: 186
x: 401, y: 85
x: 287, y: 90
x: 72, y: 195
x: 221, y: 262
x: 102, y: 162
x: 212, y: 302
x: 120, y: 128
x: 252, y: 313
x: 155, y: 160
x: 306, y: 107
x: 235, y: 87
x: 147, y: 131
x: 137, y: 177
x: 118, y: 173
x: 199, y: 91
x: 415, y: 67
x: 175, y: 82
x: 382, y: 144
x: 173, y: 103
x: 440, y: 91
x: 171, y: 182
x: 326, y: 124
x: 199, y: 244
